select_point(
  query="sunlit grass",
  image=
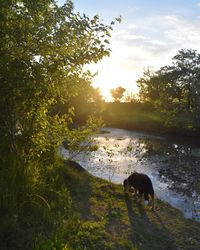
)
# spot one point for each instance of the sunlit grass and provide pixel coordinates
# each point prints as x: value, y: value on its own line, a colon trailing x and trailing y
x: 112, y: 220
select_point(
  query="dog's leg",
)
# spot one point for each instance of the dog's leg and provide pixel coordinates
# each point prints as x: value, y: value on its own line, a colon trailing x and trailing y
x: 153, y: 202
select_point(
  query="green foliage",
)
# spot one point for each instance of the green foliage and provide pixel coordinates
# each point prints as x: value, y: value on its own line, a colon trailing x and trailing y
x: 130, y: 97
x: 134, y: 116
x: 39, y: 206
x: 91, y: 236
x: 43, y: 49
x: 81, y: 139
x: 53, y: 244
x: 174, y: 90
x: 86, y: 97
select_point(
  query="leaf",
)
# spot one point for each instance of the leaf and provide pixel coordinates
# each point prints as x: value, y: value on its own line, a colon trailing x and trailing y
x: 106, y: 41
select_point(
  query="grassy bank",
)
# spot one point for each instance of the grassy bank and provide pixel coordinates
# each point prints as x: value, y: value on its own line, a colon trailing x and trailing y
x: 109, y: 219
x: 78, y: 211
x: 132, y: 116
x: 137, y: 116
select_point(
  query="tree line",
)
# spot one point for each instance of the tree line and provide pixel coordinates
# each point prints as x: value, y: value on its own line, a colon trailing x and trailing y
x: 174, y: 90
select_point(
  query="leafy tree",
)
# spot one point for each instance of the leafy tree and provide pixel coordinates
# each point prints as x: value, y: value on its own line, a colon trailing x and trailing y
x: 43, y: 49
x: 130, y: 97
x: 175, y: 89
x: 117, y: 93
x: 88, y: 102
x: 86, y: 97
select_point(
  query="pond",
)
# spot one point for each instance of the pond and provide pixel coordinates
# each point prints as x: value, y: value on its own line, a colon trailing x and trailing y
x: 173, y: 164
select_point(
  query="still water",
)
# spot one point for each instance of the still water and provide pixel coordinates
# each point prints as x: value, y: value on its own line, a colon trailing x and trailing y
x: 173, y: 164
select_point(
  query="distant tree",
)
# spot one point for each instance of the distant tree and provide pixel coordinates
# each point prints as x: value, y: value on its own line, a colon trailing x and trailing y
x: 130, y: 97
x: 175, y: 89
x: 117, y: 93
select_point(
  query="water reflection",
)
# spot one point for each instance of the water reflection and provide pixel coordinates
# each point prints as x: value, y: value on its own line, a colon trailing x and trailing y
x: 172, y: 164
x: 178, y: 164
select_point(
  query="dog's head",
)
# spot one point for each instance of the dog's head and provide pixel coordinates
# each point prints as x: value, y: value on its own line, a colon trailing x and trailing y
x: 126, y: 185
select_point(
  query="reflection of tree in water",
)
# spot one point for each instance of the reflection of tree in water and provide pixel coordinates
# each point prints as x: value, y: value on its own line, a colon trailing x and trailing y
x: 178, y: 165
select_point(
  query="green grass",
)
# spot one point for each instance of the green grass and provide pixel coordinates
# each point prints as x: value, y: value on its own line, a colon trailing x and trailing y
x: 132, y: 116
x: 109, y: 219
x: 87, y: 213
x: 141, y: 117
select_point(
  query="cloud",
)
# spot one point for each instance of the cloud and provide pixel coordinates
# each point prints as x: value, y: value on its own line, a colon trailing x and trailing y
x: 156, y: 28
x: 131, y: 37
x: 132, y: 26
x: 150, y: 41
x: 159, y: 36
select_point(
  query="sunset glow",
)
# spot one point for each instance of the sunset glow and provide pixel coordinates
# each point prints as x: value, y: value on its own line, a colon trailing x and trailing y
x: 149, y: 36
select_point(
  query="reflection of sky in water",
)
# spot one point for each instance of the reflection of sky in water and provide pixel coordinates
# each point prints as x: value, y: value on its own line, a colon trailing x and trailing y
x: 121, y: 152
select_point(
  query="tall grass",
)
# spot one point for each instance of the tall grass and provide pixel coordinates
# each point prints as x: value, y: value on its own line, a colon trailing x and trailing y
x: 34, y: 202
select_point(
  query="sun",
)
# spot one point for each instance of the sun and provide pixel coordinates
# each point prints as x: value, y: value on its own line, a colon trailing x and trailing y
x: 115, y: 71
x: 109, y: 78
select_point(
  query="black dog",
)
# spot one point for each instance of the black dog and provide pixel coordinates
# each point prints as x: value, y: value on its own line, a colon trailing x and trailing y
x: 142, y: 184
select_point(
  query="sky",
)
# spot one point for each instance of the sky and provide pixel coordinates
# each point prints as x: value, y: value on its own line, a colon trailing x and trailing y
x: 150, y: 34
